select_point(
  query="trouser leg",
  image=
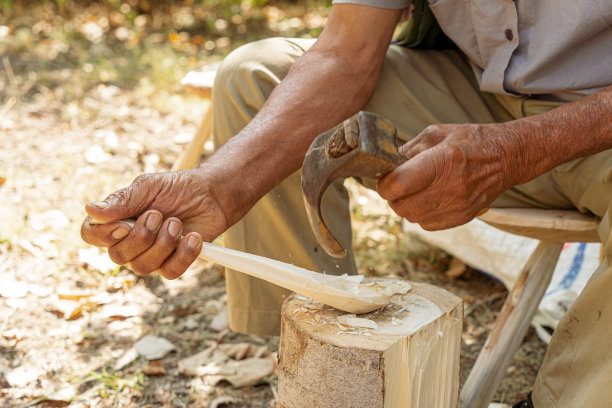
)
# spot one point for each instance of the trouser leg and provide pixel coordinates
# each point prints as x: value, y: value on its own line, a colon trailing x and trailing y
x: 577, y: 369
x: 276, y: 227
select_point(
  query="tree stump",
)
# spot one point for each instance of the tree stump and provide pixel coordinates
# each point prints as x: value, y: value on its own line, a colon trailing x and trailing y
x: 409, y: 360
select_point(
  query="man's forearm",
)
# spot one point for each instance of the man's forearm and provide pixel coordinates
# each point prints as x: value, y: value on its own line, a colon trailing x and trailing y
x: 315, y: 96
x: 321, y: 89
x: 574, y: 130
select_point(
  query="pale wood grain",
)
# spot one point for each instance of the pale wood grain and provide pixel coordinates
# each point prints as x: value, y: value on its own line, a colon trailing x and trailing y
x: 413, y: 363
x: 328, y: 289
x: 543, y: 224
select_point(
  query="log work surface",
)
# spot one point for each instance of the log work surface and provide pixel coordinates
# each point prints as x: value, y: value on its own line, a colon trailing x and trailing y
x: 410, y: 360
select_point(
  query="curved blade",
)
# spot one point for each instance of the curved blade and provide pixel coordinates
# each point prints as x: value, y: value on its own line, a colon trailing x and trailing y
x: 365, y: 145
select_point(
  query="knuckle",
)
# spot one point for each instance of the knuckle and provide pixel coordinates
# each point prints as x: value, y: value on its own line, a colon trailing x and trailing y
x: 119, y: 197
x: 166, y: 240
x: 428, y: 226
x: 454, y: 153
x: 140, y: 179
x: 431, y: 129
x: 141, y: 268
x: 382, y: 188
x: 171, y: 272
x: 184, y: 259
x: 85, y: 233
x: 143, y: 235
x: 137, y: 271
x: 402, y: 210
x: 118, y: 257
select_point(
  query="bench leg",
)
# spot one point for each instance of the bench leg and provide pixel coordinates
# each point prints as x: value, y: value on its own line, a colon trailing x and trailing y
x: 510, y: 327
x: 192, y: 153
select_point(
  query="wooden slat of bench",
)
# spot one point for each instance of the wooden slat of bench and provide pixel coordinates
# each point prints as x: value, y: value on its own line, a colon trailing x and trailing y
x: 200, y: 82
x: 544, y: 224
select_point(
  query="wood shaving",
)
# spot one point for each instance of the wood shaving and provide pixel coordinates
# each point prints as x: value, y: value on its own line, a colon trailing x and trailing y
x: 352, y: 320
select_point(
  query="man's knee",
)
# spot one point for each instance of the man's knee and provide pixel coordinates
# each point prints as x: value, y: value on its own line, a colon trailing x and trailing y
x: 253, y: 70
x: 245, y: 80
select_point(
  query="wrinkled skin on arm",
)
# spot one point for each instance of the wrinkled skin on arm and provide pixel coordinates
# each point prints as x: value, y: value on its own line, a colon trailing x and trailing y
x: 330, y: 82
x: 455, y: 171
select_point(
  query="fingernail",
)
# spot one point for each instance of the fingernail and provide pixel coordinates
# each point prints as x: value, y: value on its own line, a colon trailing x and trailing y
x: 174, y: 228
x: 153, y: 222
x: 99, y: 204
x: 193, y: 242
x: 120, y: 233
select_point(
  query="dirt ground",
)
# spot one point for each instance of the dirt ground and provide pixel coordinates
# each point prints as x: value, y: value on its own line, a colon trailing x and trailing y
x: 81, y: 116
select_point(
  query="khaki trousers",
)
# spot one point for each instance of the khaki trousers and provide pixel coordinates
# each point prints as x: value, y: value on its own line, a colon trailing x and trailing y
x: 416, y: 89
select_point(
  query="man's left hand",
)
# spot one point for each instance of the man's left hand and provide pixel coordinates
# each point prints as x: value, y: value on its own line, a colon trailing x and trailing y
x: 452, y: 173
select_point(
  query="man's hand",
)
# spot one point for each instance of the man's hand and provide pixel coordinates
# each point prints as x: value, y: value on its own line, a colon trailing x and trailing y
x: 455, y: 171
x: 452, y: 173
x: 167, y: 205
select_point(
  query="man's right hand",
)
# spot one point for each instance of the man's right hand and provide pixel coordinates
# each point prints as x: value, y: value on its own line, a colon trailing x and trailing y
x: 176, y: 211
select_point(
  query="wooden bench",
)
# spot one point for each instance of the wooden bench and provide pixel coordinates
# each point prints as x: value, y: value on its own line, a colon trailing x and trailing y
x: 199, y: 83
x: 553, y: 228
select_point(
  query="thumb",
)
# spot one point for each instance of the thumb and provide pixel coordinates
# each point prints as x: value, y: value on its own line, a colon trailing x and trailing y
x: 408, y: 178
x: 125, y: 203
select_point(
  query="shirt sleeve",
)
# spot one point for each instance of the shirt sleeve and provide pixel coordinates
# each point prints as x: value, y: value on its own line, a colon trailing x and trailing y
x: 387, y: 4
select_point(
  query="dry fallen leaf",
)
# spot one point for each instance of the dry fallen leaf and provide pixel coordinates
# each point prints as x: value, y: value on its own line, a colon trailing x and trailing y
x: 237, y: 351
x: 78, y: 311
x: 220, y: 322
x: 191, y: 365
x: 13, y: 288
x: 217, y: 364
x: 221, y: 401
x: 239, y: 373
x: 120, y: 312
x: 155, y: 367
x: 456, y: 268
x: 68, y: 296
x: 184, y: 310
x: 153, y: 347
x: 2, y: 180
x: 54, y: 403
x: 126, y: 359
x: 96, y: 259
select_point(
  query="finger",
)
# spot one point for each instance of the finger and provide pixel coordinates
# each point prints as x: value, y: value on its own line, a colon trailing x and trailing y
x: 165, y: 243
x: 445, y: 221
x: 185, y: 254
x: 141, y: 237
x: 103, y: 235
x: 409, y: 178
x: 429, y: 137
x: 432, y: 213
x: 127, y: 202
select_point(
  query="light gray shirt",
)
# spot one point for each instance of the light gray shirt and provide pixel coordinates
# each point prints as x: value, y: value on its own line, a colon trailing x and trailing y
x: 558, y: 48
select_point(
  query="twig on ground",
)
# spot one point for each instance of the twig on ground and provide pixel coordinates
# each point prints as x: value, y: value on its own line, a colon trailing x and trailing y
x: 8, y: 106
x: 274, y: 392
x: 10, y: 74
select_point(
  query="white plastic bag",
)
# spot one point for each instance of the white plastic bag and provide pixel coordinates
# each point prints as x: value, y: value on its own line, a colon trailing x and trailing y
x: 503, y: 256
